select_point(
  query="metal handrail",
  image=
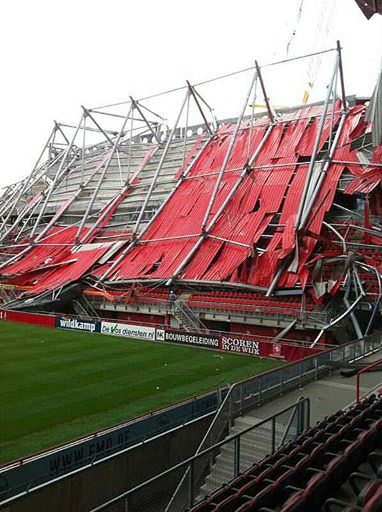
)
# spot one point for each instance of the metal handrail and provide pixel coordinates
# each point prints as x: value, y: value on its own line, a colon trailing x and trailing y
x: 191, y: 460
x: 252, y: 392
x: 358, y: 377
x: 257, y: 337
x: 290, y: 421
x: 253, y: 309
x: 181, y: 306
x: 229, y: 409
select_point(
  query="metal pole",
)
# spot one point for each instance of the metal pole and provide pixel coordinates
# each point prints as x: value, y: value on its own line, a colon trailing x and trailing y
x: 57, y: 176
x: 191, y: 484
x: 144, y: 230
x: 315, y: 147
x: 106, y: 167
x: 203, y: 236
x: 336, y: 320
x: 136, y: 105
x: 185, y: 131
x: 323, y: 172
x: 88, y: 114
x: 58, y: 127
x: 236, y: 461
x: 159, y: 168
x: 342, y: 80
x: 83, y: 151
x: 130, y: 144
x: 115, y: 199
x: 191, y: 89
x: 53, y: 220
x: 266, y: 99
x: 214, y: 120
x: 228, y: 153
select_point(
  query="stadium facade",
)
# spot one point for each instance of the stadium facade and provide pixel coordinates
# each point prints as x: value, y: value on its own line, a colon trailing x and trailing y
x: 268, y: 223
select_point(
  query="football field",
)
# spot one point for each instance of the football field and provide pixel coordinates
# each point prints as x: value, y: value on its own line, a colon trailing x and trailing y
x: 57, y: 385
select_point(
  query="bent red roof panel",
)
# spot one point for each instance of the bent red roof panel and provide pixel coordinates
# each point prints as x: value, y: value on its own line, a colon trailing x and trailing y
x: 265, y: 203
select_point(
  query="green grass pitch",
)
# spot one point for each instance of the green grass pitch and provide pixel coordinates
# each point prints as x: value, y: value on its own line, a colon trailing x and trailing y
x: 57, y: 385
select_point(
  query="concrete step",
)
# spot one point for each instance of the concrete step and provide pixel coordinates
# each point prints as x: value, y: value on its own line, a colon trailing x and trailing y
x: 249, y: 454
x: 254, y: 446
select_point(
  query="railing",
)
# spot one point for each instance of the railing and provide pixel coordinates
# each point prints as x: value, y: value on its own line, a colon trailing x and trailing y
x: 183, y: 310
x: 254, y: 391
x: 242, y: 396
x: 358, y: 377
x: 24, y: 475
x: 259, y: 311
x: 250, y: 393
x: 279, y: 313
x: 232, y: 334
x: 274, y: 431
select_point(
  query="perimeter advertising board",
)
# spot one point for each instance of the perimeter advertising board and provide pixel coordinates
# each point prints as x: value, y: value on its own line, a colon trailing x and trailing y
x: 252, y: 347
x: 77, y: 324
x: 186, y: 338
x: 36, y: 470
x: 128, y: 331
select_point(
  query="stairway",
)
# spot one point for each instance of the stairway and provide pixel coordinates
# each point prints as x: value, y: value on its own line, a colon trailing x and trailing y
x: 254, y: 446
x: 186, y: 317
x: 83, y: 307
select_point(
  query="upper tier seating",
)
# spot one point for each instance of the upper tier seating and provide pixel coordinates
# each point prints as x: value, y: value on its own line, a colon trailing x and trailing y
x: 242, y: 301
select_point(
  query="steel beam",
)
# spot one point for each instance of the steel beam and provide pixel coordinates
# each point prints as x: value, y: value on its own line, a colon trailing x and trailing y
x: 315, y: 148
x: 247, y: 168
x: 56, y: 178
x: 105, y: 168
x: 227, y: 156
x: 271, y: 113
x: 88, y: 114
x: 140, y: 235
x: 159, y: 167
x: 138, y: 108
x: 191, y: 89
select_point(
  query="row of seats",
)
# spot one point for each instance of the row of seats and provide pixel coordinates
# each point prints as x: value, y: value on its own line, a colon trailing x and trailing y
x: 306, y: 474
x: 248, y: 295
x: 268, y: 306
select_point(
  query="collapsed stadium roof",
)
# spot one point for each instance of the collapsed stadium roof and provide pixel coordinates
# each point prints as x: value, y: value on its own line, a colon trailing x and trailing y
x: 282, y: 202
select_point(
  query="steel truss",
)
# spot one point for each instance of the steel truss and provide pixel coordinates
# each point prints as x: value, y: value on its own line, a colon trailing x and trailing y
x: 103, y: 160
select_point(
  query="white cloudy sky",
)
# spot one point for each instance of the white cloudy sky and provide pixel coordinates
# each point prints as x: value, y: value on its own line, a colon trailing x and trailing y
x: 59, y: 55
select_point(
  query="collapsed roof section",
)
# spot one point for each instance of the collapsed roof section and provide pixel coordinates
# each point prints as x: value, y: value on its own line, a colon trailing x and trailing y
x: 272, y: 202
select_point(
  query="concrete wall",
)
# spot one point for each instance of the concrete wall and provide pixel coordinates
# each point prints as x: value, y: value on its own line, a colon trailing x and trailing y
x: 89, y: 488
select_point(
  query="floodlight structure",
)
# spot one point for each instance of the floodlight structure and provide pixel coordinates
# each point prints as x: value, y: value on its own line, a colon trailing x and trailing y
x: 269, y: 218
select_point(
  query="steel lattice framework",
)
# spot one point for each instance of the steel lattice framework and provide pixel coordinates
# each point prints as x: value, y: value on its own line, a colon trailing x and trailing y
x: 275, y: 204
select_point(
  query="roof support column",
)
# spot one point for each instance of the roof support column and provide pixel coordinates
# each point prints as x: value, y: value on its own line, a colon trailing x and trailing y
x: 57, y: 176
x: 204, y: 235
x: 136, y: 105
x: 229, y: 152
x: 139, y: 236
x: 315, y: 147
x: 159, y: 167
x: 106, y: 167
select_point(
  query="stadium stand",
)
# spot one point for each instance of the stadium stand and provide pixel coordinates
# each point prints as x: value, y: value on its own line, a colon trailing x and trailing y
x: 271, y: 217
x: 335, y: 465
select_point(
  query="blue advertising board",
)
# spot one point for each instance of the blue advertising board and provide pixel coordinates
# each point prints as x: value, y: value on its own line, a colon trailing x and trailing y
x: 40, y: 469
x: 77, y: 324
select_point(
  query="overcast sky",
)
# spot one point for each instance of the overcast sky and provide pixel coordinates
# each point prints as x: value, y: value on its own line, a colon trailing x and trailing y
x: 59, y: 55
